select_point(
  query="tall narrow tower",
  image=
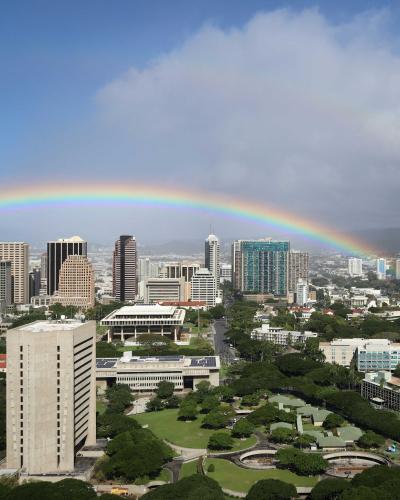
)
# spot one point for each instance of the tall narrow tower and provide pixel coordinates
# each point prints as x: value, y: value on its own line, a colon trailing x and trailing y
x: 18, y: 254
x: 212, y: 256
x: 124, y: 268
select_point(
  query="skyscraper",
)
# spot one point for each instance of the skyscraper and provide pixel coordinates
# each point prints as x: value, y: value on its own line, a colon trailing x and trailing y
x: 397, y: 268
x: 18, y: 254
x: 5, y: 284
x: 261, y: 266
x: 381, y: 268
x: 57, y: 252
x: 204, y: 287
x: 212, y: 256
x: 302, y: 292
x: 124, y: 269
x: 76, y: 283
x: 34, y: 283
x: 355, y: 266
x: 298, y: 268
x: 51, y: 394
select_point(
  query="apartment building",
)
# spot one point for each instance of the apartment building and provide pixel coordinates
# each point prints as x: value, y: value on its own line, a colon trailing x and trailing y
x: 18, y: 254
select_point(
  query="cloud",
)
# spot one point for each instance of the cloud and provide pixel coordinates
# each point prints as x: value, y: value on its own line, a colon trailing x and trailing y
x: 290, y: 108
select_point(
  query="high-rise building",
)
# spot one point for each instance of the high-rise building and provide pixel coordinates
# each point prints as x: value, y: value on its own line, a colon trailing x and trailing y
x: 398, y: 268
x: 302, y: 292
x: 261, y: 266
x: 381, y: 268
x: 5, y: 284
x: 147, y: 269
x: 76, y: 283
x: 355, y: 266
x: 298, y: 268
x: 18, y: 254
x: 225, y: 273
x: 124, y: 269
x: 211, y: 260
x: 185, y: 270
x: 51, y: 394
x: 57, y: 252
x: 34, y: 282
x: 164, y: 289
x: 204, y: 287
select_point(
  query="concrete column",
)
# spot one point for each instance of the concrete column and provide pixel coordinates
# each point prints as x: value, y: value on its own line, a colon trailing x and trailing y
x: 175, y: 334
x: 135, y: 333
x: 109, y: 335
x: 122, y: 334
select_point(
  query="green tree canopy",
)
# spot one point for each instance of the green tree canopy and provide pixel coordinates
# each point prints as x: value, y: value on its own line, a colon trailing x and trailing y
x: 271, y: 489
x: 220, y: 441
x: 196, y: 487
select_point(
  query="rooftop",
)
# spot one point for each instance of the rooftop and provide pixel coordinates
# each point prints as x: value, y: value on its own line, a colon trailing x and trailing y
x: 150, y: 309
x: 51, y: 326
x: 188, y: 361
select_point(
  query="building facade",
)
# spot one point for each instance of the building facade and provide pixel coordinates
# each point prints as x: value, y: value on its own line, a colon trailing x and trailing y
x: 279, y: 336
x: 355, y: 267
x: 204, y: 287
x: 261, y: 266
x: 225, y: 273
x: 143, y: 374
x: 382, y: 390
x: 18, y: 254
x: 381, y: 268
x: 57, y: 252
x: 298, y: 268
x: 302, y: 292
x: 51, y: 395
x: 129, y: 322
x: 6, y: 295
x: 35, y: 282
x: 164, y: 289
x: 76, y: 283
x: 124, y: 269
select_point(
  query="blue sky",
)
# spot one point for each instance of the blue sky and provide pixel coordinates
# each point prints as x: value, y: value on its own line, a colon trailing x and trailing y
x: 64, y: 62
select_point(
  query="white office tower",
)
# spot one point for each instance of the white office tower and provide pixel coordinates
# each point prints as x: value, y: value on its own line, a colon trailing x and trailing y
x: 381, y: 269
x: 51, y: 394
x: 225, y: 273
x: 147, y: 269
x: 302, y: 292
x: 5, y: 285
x: 204, y: 287
x: 212, y: 255
x: 355, y: 266
x: 18, y: 254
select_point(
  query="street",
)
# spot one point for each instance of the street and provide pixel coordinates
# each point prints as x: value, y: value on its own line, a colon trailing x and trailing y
x: 222, y: 349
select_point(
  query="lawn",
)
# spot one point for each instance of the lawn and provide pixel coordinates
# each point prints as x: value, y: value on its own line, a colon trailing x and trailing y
x: 189, y: 434
x: 188, y: 469
x: 236, y: 478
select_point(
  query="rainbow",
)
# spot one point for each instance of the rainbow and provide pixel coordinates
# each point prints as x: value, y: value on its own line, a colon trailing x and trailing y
x: 20, y: 197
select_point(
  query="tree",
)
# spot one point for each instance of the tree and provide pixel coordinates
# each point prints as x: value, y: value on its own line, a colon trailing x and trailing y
x: 187, y: 410
x: 304, y: 441
x: 216, y: 419
x: 332, y: 421
x: 111, y: 424
x: 165, y: 389
x: 220, y: 441
x: 224, y: 393
x: 172, y: 402
x: 329, y: 489
x: 271, y: 489
x: 196, y: 487
x: 250, y: 400
x: 202, y: 390
x: 264, y: 415
x: 209, y: 403
x: 155, y: 404
x: 371, y: 440
x: 305, y: 464
x: 119, y: 398
x: 282, y: 435
x: 156, y: 343
x: 106, y: 350
x: 243, y: 428
x: 217, y: 312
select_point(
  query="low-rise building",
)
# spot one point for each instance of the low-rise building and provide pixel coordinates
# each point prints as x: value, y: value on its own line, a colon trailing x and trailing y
x: 382, y: 389
x: 143, y: 374
x: 279, y: 336
x: 129, y: 322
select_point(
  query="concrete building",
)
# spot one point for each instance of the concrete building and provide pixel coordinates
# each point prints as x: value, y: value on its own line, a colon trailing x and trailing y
x: 51, y: 395
x: 355, y: 267
x: 261, y: 266
x: 124, y: 269
x: 76, y: 283
x: 147, y: 269
x: 185, y: 270
x: 366, y: 354
x: 18, y: 254
x: 204, y: 287
x: 57, y: 252
x: 35, y: 283
x: 225, y: 273
x: 279, y: 336
x: 164, y: 289
x: 397, y: 269
x: 211, y: 256
x: 142, y: 374
x: 5, y: 284
x: 302, y: 292
x: 382, y: 390
x: 298, y: 268
x: 129, y: 322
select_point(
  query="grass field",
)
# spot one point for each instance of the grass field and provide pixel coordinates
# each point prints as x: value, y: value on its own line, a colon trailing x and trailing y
x: 188, y: 469
x: 189, y: 434
x: 236, y: 478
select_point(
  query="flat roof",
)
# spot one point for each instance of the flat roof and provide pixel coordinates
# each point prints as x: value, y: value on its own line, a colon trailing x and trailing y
x: 150, y: 309
x: 195, y: 361
x: 51, y: 326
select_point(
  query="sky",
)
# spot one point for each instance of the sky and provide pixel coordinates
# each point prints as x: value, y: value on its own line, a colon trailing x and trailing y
x: 292, y: 103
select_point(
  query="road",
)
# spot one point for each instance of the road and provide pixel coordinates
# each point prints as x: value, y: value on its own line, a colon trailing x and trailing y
x: 222, y: 349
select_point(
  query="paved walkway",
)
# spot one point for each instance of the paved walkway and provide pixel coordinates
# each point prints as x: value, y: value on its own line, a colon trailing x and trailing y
x: 187, y: 453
